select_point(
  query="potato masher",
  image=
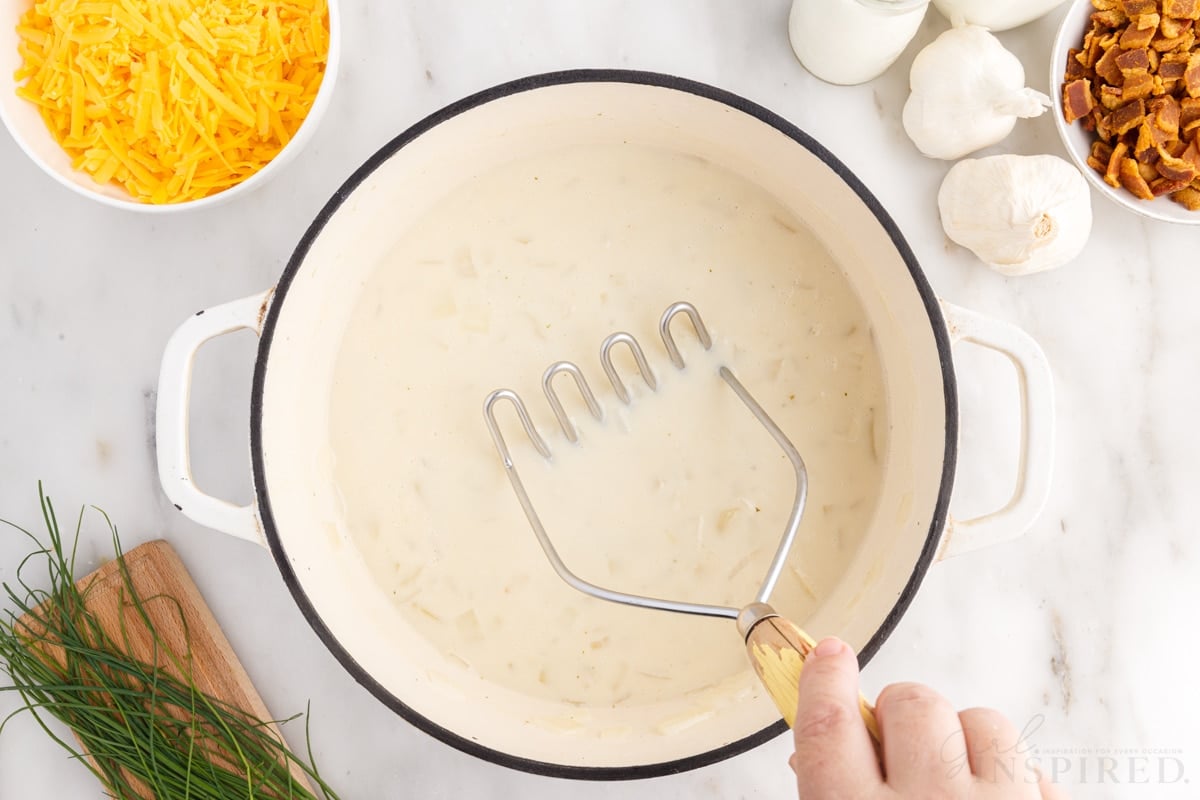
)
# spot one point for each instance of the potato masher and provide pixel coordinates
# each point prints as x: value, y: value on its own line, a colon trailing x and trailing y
x: 777, y: 647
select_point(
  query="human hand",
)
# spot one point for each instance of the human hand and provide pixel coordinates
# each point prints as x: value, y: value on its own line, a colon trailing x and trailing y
x: 929, y: 750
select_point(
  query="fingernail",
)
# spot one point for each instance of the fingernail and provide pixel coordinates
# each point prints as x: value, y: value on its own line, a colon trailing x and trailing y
x: 830, y: 646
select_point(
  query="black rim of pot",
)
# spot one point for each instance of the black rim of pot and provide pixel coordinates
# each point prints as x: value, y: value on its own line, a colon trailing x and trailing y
x: 311, y: 613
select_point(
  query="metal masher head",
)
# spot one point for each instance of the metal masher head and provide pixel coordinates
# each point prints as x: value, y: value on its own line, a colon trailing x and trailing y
x: 619, y: 386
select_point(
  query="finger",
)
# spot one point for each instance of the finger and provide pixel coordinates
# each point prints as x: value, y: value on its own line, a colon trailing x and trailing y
x: 992, y: 745
x: 834, y: 756
x: 924, y: 751
x: 1051, y: 791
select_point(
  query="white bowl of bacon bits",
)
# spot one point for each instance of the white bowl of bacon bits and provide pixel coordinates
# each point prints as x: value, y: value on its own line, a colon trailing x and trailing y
x: 161, y: 105
x: 1127, y: 74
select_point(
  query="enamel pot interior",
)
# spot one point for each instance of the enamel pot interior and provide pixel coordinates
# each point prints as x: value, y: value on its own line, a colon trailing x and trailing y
x: 317, y: 294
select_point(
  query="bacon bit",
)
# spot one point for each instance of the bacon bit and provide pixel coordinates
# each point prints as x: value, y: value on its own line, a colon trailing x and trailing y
x: 1138, y: 85
x: 1103, y: 130
x: 1189, y: 113
x: 1099, y: 157
x: 1192, y: 156
x: 1111, y: 98
x: 1191, y: 77
x: 1131, y: 178
x: 1161, y: 137
x: 1136, y: 8
x: 1110, y: 18
x: 1140, y: 33
x: 1134, y: 38
x: 1127, y: 61
x: 1161, y: 186
x: 1112, y: 175
x: 1176, y: 169
x: 1183, y: 42
x: 1166, y: 112
x: 1084, y: 52
x: 1174, y: 28
x: 1181, y: 9
x: 1188, y: 198
x: 1075, y: 69
x: 1108, y: 68
x: 1126, y: 118
x: 1146, y: 149
x: 1173, y: 66
x: 1092, y: 52
x: 1077, y: 99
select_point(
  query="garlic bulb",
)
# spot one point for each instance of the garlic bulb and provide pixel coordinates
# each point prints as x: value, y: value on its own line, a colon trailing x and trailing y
x: 967, y: 93
x: 996, y: 15
x: 1019, y: 214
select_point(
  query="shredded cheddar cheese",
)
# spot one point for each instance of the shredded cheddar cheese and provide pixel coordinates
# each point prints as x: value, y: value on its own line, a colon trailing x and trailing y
x: 173, y: 99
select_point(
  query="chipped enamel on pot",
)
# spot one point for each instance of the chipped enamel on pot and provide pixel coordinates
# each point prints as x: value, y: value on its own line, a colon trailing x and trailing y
x: 296, y: 505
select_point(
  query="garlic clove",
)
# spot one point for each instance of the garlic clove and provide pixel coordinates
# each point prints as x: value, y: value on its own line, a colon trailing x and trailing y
x: 968, y: 92
x: 1018, y: 214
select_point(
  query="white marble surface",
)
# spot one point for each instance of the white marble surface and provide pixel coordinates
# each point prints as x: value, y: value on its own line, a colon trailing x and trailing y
x: 1082, y: 624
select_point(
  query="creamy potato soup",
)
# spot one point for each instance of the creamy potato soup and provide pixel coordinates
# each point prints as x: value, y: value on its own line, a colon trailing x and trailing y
x: 681, y: 494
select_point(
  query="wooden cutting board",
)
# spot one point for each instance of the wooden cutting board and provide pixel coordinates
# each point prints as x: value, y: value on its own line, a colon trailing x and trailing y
x: 156, y: 572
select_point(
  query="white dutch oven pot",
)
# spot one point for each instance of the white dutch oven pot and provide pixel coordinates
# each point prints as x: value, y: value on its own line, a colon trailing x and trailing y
x: 301, y: 321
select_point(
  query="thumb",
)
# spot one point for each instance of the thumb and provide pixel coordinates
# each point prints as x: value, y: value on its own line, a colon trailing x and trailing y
x: 834, y: 756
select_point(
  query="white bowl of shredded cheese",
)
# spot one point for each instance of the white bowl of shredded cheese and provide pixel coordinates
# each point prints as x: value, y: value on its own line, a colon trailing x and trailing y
x: 141, y: 108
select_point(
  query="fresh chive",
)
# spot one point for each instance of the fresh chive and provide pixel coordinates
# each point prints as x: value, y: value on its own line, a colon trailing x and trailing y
x: 139, y: 727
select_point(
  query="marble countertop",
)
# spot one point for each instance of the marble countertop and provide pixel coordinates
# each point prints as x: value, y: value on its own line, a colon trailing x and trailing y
x: 1070, y: 629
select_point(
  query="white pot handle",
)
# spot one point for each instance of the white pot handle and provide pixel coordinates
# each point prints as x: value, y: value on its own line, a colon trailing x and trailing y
x: 174, y: 394
x: 1036, y: 460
